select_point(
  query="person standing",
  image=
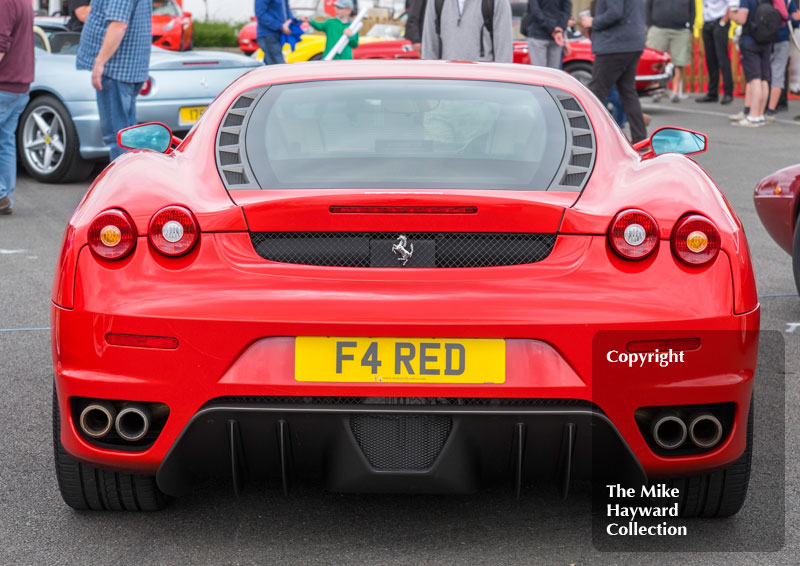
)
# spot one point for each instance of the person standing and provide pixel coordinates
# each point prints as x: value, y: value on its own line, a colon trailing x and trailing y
x: 548, y: 20
x: 457, y: 29
x: 334, y: 28
x: 755, y: 50
x: 779, y: 60
x: 618, y: 34
x: 16, y: 76
x: 115, y: 47
x: 274, y: 18
x: 416, y: 16
x: 716, y: 26
x: 670, y: 30
x: 78, y: 13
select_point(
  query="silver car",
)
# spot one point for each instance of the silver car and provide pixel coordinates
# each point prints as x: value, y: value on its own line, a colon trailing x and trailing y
x: 59, y: 137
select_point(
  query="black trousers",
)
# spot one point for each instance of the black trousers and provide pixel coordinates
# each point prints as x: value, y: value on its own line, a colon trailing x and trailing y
x: 620, y: 69
x: 715, y: 40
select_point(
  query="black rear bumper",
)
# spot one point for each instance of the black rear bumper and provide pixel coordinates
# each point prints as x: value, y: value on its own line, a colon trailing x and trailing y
x: 399, y: 445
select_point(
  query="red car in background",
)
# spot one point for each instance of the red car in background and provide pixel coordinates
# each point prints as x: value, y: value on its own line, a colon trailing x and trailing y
x: 777, y: 200
x: 172, y: 27
x: 653, y: 73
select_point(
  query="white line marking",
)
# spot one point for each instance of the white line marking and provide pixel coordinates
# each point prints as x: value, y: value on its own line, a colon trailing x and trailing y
x: 792, y: 326
x: 8, y: 252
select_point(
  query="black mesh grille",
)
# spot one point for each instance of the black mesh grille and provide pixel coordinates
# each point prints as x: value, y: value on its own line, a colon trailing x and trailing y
x: 571, y: 104
x: 573, y: 179
x: 234, y: 120
x: 579, y: 122
x: 423, y: 401
x: 243, y: 102
x: 228, y: 158
x: 374, y: 249
x: 401, y: 442
x: 228, y: 139
x: 584, y: 140
x: 235, y: 178
x: 581, y: 159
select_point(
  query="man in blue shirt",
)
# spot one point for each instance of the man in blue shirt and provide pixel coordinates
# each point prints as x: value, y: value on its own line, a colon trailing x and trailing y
x: 274, y: 18
x: 115, y: 47
x: 778, y: 61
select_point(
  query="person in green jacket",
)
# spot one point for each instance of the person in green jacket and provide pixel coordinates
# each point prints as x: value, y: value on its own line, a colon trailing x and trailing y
x: 335, y: 27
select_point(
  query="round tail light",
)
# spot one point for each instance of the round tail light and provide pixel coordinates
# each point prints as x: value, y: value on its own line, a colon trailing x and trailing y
x: 174, y: 230
x: 695, y: 240
x: 633, y: 234
x: 146, y: 86
x: 112, y: 234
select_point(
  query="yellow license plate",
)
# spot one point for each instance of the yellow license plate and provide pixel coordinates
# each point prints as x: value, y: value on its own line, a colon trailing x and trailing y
x: 399, y: 360
x: 191, y: 114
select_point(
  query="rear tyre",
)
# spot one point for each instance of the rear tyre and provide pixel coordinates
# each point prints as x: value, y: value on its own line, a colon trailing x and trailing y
x: 48, y: 144
x: 316, y: 57
x: 796, y: 254
x: 721, y: 493
x: 581, y: 70
x: 85, y: 487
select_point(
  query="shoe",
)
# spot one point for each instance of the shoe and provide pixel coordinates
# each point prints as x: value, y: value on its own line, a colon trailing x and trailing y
x: 770, y: 118
x: 706, y: 98
x: 646, y: 118
x: 5, y: 205
x: 736, y: 117
x: 747, y: 123
x: 674, y: 97
x: 727, y: 99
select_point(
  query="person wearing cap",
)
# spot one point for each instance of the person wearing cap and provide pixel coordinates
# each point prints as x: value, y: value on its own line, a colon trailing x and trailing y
x: 335, y: 27
x: 274, y: 19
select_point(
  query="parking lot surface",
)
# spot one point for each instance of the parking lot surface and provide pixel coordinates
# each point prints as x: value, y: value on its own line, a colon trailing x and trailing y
x: 311, y: 526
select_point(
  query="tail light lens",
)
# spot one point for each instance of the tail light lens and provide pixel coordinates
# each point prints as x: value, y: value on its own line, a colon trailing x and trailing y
x: 112, y: 234
x: 146, y: 87
x: 174, y: 230
x: 633, y: 234
x: 695, y: 240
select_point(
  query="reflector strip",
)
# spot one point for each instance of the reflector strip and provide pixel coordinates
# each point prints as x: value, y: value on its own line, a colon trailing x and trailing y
x: 139, y: 341
x: 664, y: 345
x: 404, y: 209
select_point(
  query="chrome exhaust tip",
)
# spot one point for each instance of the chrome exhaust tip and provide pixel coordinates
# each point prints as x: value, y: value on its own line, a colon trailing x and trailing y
x: 133, y: 422
x: 669, y: 432
x: 705, y: 430
x: 97, y: 419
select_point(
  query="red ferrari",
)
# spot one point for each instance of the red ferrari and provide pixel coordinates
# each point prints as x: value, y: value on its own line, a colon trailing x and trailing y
x: 410, y: 277
x: 777, y: 199
x: 172, y: 27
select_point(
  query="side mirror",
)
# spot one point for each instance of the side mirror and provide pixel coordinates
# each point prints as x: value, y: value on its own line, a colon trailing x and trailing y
x: 154, y: 135
x: 673, y: 140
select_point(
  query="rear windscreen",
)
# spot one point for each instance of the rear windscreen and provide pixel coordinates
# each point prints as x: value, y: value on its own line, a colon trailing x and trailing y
x: 409, y: 133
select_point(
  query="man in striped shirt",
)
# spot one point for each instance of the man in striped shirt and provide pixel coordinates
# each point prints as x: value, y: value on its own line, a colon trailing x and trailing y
x: 115, y: 47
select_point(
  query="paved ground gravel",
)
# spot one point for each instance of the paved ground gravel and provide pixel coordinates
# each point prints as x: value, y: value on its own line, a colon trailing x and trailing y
x: 313, y: 527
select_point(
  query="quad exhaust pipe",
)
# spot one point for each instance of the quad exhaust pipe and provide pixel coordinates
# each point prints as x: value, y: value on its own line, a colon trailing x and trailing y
x: 705, y: 430
x: 133, y: 422
x: 97, y: 419
x: 669, y: 431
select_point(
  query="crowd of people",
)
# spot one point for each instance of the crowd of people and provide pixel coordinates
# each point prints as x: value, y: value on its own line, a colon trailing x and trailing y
x: 116, y: 36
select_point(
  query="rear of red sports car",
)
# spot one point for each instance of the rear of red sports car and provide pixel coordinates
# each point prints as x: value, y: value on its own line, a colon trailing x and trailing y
x: 407, y: 278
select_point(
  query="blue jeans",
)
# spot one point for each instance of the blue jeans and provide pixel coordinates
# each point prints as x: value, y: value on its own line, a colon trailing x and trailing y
x: 116, y: 104
x: 619, y: 112
x: 11, y: 106
x: 271, y: 46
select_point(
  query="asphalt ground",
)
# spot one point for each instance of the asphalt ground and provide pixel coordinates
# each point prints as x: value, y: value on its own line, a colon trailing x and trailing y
x: 211, y: 526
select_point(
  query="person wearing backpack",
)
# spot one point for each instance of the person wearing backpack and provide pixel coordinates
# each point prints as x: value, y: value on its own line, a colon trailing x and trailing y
x: 544, y: 25
x: 468, y: 30
x: 761, y: 22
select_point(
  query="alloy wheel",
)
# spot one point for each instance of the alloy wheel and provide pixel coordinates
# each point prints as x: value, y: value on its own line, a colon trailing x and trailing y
x: 43, y: 139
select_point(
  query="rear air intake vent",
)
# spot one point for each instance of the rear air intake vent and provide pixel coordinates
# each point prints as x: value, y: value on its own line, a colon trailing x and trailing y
x: 401, y: 442
x: 235, y: 171
x: 581, y: 146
